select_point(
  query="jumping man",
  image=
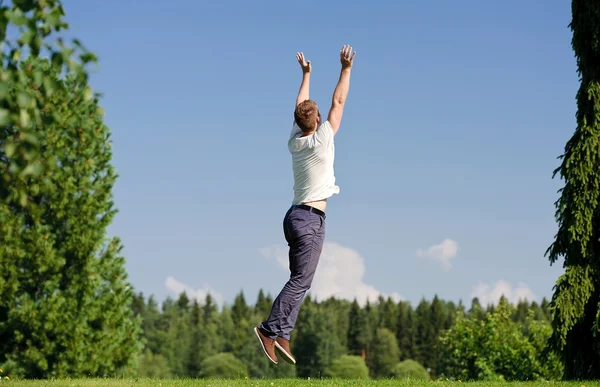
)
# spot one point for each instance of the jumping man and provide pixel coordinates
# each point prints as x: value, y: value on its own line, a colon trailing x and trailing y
x: 312, y: 147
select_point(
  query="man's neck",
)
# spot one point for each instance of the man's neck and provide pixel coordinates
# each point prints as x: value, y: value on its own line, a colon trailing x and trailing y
x: 304, y: 134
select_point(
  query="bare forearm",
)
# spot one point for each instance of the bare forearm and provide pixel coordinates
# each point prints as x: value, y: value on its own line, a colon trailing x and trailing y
x: 341, y: 90
x: 303, y: 94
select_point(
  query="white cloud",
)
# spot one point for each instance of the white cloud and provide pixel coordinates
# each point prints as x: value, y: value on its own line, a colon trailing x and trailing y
x: 176, y: 287
x: 442, y: 253
x: 340, y: 274
x: 488, y: 294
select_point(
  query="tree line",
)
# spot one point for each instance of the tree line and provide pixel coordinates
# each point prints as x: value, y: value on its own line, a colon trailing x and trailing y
x: 181, y: 335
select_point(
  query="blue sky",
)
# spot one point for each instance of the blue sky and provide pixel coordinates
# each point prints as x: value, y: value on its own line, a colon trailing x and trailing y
x: 456, y: 114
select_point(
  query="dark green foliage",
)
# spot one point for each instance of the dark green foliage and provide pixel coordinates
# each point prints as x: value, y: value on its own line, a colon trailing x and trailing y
x: 410, y: 369
x: 577, y: 292
x: 424, y: 334
x: 404, y: 330
x: 477, y: 310
x: 263, y: 304
x: 348, y: 367
x: 384, y: 354
x: 223, y: 366
x: 359, y: 332
x: 315, y: 346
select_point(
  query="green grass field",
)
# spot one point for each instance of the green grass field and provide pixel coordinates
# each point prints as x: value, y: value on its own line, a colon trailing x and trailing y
x: 275, y: 383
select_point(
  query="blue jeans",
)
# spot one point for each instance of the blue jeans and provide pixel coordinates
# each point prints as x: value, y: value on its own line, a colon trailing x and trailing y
x: 304, y: 230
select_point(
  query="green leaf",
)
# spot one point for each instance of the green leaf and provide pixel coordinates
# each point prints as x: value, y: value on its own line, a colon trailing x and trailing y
x: 38, y: 77
x: 15, y: 54
x: 87, y: 94
x: 30, y: 138
x: 4, y: 117
x: 17, y: 17
x: 33, y: 169
x: 53, y: 18
x: 26, y: 37
x: 10, y: 149
x: 3, y: 90
x: 24, y: 119
x: 23, y: 100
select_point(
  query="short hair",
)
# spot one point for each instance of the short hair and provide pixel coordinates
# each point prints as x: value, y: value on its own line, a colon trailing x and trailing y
x: 306, y: 114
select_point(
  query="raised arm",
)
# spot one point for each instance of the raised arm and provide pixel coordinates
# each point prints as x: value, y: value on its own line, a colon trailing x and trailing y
x: 341, y: 90
x: 303, y: 94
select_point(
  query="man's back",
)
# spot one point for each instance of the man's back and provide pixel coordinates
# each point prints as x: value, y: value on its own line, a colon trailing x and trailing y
x: 312, y: 161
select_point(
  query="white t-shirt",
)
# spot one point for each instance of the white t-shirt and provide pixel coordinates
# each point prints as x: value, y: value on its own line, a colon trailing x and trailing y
x: 312, y: 162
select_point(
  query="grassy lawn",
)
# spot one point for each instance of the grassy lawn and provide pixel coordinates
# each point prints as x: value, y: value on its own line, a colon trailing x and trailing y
x: 272, y: 383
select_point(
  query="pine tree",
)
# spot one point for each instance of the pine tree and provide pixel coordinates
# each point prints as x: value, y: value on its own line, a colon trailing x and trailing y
x: 437, y: 320
x: 227, y: 332
x: 520, y: 312
x: 450, y: 312
x: 150, y: 323
x: 405, y: 330
x: 476, y: 311
x: 357, y: 336
x: 546, y: 309
x: 195, y: 353
x: 183, y: 303
x: 424, y: 331
x: 388, y: 317
x: 263, y: 305
x: 210, y: 339
x: 240, y: 311
x: 576, y: 298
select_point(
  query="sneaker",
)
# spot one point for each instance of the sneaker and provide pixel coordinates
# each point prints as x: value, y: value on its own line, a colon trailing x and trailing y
x: 268, y: 345
x: 283, y: 346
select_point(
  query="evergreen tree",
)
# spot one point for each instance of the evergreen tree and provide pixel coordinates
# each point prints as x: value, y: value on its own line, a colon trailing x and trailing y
x: 460, y: 308
x: 358, y: 330
x: 424, y: 333
x: 372, y: 321
x: 315, y: 346
x: 384, y: 354
x: 227, y: 332
x: 450, y: 312
x: 263, y: 305
x: 388, y: 317
x: 195, y: 354
x: 183, y: 303
x: 138, y: 305
x: 437, y: 321
x: 546, y: 309
x: 538, y: 312
x: 210, y: 339
x: 576, y: 298
x: 476, y: 311
x: 521, y: 312
x: 405, y: 330
x: 150, y: 322
x: 176, y: 338
x: 240, y: 311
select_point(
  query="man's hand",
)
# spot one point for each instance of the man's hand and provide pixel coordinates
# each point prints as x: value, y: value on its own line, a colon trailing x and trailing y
x: 306, y: 68
x: 346, y: 56
x: 341, y: 90
x: 303, y: 93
